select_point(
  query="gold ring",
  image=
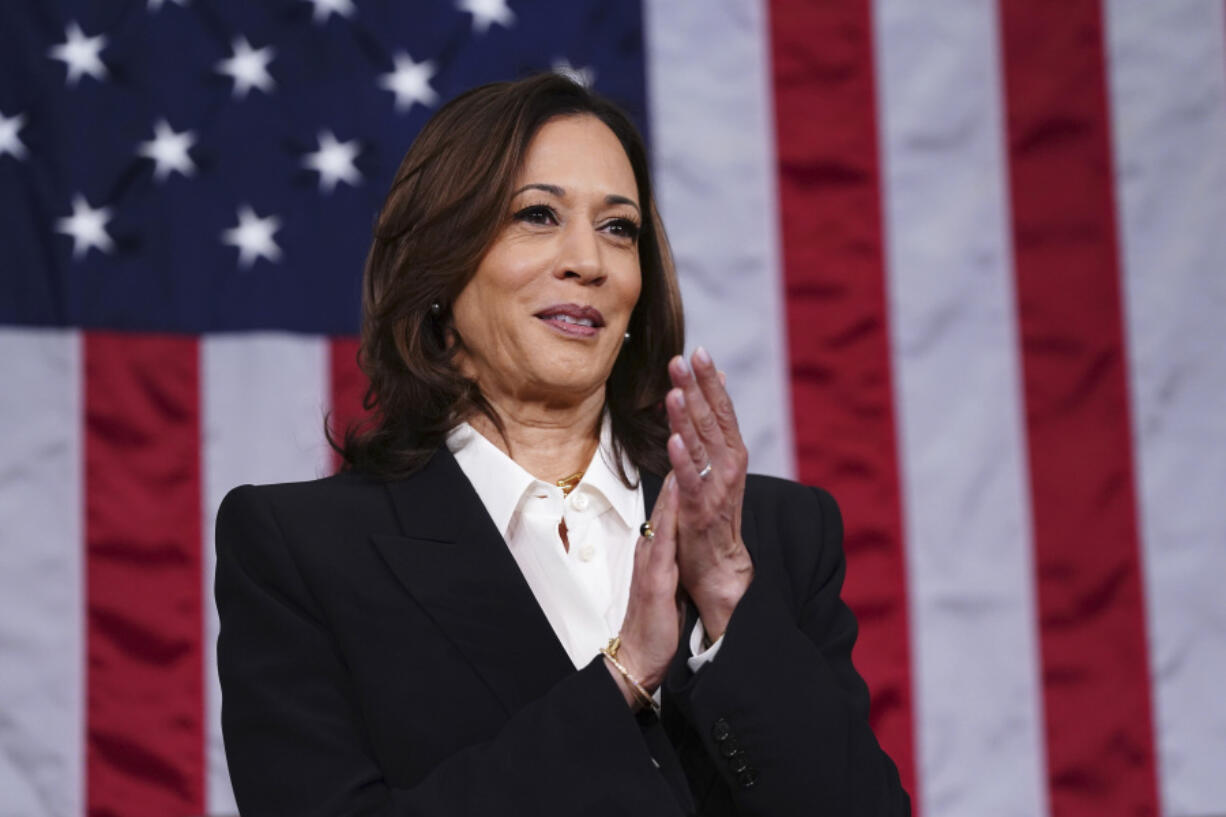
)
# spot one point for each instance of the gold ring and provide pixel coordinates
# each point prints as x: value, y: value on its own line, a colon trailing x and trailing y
x: 647, y: 530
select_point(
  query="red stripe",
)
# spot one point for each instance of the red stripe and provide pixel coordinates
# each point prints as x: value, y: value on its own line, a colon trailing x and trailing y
x: 348, y: 387
x: 837, y: 328
x: 145, y: 702
x: 1100, y: 742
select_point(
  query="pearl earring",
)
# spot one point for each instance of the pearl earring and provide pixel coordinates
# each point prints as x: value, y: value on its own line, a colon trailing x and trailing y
x: 626, y: 338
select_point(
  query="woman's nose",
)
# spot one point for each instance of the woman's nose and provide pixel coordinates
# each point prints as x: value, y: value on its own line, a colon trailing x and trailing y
x: 580, y: 255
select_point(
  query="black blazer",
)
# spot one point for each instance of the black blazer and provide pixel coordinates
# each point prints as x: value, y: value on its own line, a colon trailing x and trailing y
x: 381, y: 654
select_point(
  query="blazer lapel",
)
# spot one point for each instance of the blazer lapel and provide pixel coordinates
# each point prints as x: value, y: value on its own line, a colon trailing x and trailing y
x: 651, y: 490
x: 455, y: 563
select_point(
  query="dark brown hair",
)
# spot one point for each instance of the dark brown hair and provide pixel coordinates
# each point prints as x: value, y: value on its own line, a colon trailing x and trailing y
x: 450, y: 200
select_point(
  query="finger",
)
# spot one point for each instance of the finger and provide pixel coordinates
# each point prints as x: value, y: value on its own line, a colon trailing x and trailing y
x: 658, y: 517
x: 712, y: 383
x: 680, y: 422
x: 723, y: 378
x: 700, y: 412
x: 690, y: 486
x: 664, y: 522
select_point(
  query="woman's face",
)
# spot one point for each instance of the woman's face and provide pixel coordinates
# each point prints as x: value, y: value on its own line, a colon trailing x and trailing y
x: 544, y: 315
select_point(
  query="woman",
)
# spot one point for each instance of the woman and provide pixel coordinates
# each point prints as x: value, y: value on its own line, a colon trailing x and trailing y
x: 474, y: 618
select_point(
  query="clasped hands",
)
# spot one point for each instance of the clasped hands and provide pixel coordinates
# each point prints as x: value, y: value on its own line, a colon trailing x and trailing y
x: 696, y: 551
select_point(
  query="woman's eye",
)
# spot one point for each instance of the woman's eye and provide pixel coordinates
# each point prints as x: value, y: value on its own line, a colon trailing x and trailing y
x: 537, y: 214
x: 624, y: 228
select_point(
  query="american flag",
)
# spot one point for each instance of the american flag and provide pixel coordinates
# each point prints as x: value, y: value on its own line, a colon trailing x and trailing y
x: 964, y: 262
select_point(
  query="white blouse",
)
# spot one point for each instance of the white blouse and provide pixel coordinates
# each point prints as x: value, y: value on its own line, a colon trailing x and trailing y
x: 582, y: 590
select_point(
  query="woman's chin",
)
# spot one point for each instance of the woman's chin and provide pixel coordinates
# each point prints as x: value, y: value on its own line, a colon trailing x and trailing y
x: 565, y: 384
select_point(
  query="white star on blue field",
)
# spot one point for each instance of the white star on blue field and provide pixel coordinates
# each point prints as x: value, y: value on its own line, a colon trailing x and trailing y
x: 217, y: 165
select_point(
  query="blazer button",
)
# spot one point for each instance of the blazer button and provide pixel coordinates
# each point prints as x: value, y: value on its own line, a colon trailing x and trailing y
x: 747, y: 778
x: 720, y: 730
x: 739, y: 764
x: 730, y: 747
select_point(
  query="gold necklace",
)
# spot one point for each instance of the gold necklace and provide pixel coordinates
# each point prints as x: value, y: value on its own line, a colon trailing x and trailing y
x: 567, y: 484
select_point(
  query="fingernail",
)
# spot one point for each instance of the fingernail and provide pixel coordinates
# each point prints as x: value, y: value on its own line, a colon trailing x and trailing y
x: 685, y: 364
x: 680, y: 398
x: 669, y: 480
x: 701, y: 354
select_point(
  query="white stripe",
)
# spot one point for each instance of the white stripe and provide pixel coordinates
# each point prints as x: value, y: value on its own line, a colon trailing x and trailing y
x: 42, y: 592
x: 970, y: 567
x: 712, y: 134
x: 264, y: 398
x: 1167, y: 75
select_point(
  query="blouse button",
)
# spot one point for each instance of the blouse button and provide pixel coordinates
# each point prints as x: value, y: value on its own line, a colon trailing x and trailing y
x: 580, y: 502
x: 587, y: 552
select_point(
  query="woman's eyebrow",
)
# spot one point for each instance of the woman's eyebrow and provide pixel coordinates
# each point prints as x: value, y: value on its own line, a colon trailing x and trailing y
x: 560, y: 192
x: 615, y: 199
x: 548, y: 188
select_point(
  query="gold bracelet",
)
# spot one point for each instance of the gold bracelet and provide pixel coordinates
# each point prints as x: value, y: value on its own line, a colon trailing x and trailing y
x: 610, y: 652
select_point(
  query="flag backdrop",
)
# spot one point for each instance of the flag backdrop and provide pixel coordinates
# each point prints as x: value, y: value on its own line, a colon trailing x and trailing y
x: 963, y: 261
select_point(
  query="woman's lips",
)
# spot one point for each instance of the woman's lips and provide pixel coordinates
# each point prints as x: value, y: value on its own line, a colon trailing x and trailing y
x: 574, y: 330
x: 573, y: 320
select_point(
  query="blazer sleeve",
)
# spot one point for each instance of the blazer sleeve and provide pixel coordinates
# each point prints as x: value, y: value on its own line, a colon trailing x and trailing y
x: 781, y: 711
x: 291, y: 722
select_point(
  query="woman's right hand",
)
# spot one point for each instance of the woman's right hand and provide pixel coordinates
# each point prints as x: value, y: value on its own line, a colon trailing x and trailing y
x: 652, y: 627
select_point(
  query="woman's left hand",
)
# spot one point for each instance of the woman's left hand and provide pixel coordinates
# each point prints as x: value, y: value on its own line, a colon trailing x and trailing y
x: 709, y: 460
